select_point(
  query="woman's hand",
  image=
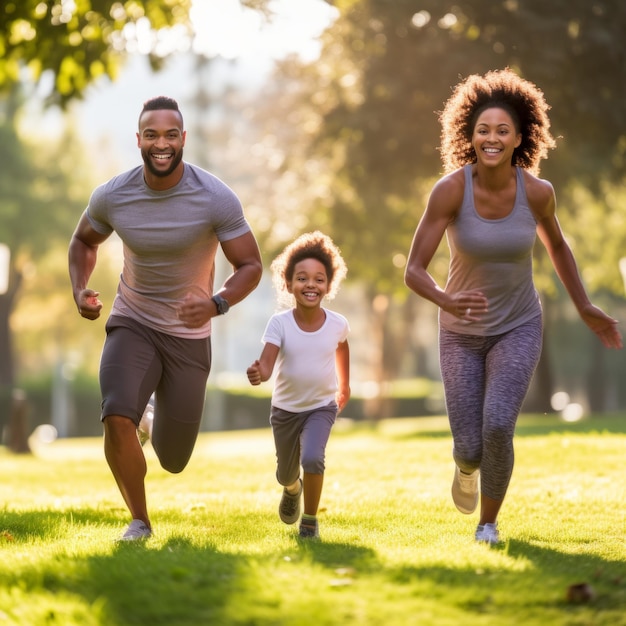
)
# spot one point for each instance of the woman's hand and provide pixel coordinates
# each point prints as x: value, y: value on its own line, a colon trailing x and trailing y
x: 467, y: 305
x: 602, y: 325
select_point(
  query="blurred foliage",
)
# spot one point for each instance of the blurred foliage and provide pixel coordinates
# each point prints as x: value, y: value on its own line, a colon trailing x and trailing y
x: 346, y: 144
x: 80, y: 41
x: 352, y: 138
x: 42, y: 194
x: 594, y: 225
x: 367, y: 110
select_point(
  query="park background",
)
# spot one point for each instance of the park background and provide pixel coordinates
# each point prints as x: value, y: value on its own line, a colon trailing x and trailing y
x: 320, y: 115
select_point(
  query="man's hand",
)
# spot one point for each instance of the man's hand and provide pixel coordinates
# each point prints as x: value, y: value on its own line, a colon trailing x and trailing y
x: 89, y: 305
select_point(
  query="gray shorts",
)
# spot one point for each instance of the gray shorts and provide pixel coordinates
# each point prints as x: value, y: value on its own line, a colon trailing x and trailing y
x: 138, y: 361
x: 301, y: 439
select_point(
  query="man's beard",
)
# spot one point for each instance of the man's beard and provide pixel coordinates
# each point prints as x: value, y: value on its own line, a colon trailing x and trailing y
x: 176, y: 159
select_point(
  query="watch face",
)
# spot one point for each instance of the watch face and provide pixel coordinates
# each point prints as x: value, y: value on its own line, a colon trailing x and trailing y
x: 222, y: 304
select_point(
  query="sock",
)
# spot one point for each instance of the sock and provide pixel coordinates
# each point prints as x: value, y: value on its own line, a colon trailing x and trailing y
x: 309, y: 519
x: 294, y: 493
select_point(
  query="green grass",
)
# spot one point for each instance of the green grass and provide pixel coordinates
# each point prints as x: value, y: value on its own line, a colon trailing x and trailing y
x: 394, y: 550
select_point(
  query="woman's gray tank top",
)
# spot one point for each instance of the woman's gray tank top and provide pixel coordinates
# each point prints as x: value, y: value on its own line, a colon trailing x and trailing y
x: 495, y: 257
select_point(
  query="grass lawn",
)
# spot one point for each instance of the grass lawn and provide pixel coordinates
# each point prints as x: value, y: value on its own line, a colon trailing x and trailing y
x: 394, y: 550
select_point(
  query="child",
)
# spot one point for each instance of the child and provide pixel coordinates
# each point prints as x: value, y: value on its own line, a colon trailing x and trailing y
x: 312, y: 385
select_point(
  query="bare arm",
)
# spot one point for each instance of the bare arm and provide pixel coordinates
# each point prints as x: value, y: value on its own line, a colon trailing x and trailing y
x: 443, y: 205
x: 543, y: 203
x: 82, y: 257
x: 245, y: 258
x: 342, y: 365
x: 261, y: 370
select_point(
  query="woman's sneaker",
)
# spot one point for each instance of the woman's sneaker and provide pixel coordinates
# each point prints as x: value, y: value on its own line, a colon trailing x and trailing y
x: 289, y: 507
x: 135, y: 531
x: 465, y: 490
x: 488, y: 533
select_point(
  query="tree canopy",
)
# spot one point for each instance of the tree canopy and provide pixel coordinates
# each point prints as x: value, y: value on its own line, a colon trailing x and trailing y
x: 79, y: 41
x: 407, y: 54
x: 369, y: 105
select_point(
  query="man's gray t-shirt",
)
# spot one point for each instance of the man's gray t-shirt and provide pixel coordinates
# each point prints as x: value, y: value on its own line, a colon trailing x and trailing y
x: 170, y: 239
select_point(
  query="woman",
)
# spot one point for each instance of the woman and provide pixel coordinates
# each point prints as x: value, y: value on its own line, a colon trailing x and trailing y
x: 491, y: 205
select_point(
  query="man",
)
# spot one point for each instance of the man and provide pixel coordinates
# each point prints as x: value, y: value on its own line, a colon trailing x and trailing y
x: 170, y: 216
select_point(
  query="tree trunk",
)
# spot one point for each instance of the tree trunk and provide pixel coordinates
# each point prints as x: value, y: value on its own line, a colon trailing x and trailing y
x: 18, y: 423
x: 7, y: 363
x: 7, y: 376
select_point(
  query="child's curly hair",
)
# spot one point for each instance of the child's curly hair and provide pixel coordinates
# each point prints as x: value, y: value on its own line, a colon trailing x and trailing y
x: 504, y: 89
x: 314, y: 245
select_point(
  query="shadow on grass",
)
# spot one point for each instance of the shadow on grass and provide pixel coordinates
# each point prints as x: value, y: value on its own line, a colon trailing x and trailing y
x: 513, y: 592
x: 177, y: 582
x: 26, y: 526
x: 181, y: 583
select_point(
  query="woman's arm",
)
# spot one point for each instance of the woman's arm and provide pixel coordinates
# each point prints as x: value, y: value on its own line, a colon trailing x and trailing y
x: 443, y: 206
x: 542, y: 201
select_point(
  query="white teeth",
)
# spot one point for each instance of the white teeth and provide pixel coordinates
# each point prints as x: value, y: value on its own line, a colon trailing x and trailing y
x: 492, y: 150
x: 161, y: 157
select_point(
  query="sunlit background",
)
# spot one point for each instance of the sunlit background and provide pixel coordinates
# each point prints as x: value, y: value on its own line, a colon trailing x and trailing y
x: 319, y: 115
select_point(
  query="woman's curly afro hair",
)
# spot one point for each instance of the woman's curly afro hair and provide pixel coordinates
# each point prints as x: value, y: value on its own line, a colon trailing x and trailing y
x: 504, y: 89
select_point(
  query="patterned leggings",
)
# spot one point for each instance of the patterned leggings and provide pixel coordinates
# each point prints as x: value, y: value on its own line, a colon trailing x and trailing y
x: 485, y: 381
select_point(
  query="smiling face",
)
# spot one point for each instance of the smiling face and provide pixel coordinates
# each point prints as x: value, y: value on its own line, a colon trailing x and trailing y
x: 495, y: 137
x: 309, y: 284
x: 161, y: 139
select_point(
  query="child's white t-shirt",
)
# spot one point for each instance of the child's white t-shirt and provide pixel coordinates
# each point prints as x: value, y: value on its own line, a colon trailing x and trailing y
x: 306, y: 376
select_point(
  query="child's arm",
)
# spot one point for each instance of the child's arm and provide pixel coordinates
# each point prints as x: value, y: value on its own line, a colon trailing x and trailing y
x: 262, y: 368
x: 342, y: 364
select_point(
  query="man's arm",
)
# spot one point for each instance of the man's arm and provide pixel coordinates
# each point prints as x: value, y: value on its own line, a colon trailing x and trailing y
x: 244, y: 256
x: 82, y: 257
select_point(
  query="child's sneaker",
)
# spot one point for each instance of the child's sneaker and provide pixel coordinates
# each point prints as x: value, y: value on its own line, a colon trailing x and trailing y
x: 309, y: 529
x: 289, y: 507
x: 465, y: 490
x: 488, y: 533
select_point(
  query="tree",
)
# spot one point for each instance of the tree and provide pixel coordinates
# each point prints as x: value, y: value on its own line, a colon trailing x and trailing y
x: 78, y: 42
x: 41, y: 195
x: 368, y: 108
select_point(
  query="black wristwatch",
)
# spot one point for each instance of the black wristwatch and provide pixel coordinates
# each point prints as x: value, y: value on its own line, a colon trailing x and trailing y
x: 221, y: 304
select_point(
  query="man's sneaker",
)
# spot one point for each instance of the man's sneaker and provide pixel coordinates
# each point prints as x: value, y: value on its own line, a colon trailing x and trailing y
x: 136, y: 530
x: 488, y: 533
x: 289, y: 507
x: 465, y: 490
x: 144, y: 430
x: 309, y: 529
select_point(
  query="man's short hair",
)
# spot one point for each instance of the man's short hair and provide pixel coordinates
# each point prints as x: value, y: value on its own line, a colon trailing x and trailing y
x: 159, y: 103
